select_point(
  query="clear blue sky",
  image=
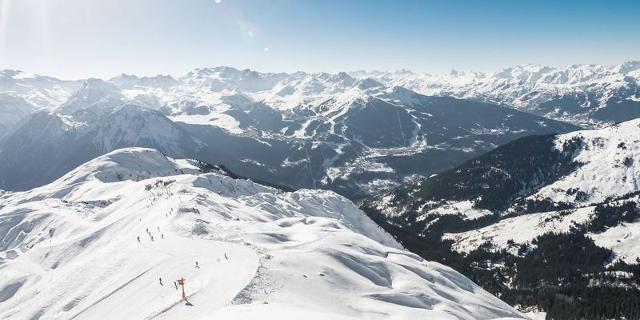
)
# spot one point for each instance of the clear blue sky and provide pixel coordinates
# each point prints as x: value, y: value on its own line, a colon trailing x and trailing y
x: 81, y: 38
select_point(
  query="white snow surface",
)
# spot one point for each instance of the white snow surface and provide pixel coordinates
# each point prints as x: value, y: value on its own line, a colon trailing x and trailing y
x: 464, y: 208
x: 69, y: 250
x: 521, y: 229
x: 623, y: 240
x: 609, y: 169
x: 610, y: 159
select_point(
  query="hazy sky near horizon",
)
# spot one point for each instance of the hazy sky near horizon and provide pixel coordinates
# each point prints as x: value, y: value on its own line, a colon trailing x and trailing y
x: 102, y: 38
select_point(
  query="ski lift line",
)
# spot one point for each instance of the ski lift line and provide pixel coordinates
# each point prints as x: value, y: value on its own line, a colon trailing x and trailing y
x: 404, y: 139
x: 322, y: 154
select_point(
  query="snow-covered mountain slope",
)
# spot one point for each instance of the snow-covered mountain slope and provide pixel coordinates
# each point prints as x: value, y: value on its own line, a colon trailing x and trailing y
x: 574, y: 169
x: 565, y: 208
x: 621, y: 237
x: 12, y: 111
x: 96, y: 96
x: 609, y: 165
x: 131, y: 125
x: 48, y: 145
x: 354, y: 136
x: 586, y: 95
x: 606, y: 170
x: 109, y: 239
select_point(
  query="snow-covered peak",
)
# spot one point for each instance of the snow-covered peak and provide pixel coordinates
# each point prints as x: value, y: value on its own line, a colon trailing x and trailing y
x: 341, y: 78
x: 628, y: 67
x: 112, y: 249
x: 15, y: 74
x: 221, y: 72
x: 402, y: 95
x: 126, y: 81
x: 96, y: 95
x: 134, y: 125
x: 96, y: 85
x: 228, y: 78
x: 40, y: 91
x: 128, y: 164
x: 22, y: 76
x: 368, y: 83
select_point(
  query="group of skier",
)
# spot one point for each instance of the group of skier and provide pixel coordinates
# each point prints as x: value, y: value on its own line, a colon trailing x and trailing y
x: 151, y: 235
x: 175, y: 283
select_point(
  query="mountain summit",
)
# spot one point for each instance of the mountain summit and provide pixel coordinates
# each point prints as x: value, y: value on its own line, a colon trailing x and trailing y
x: 109, y: 239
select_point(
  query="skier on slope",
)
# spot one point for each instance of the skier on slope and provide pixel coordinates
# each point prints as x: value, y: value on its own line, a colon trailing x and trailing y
x: 160, y: 278
x: 197, y: 266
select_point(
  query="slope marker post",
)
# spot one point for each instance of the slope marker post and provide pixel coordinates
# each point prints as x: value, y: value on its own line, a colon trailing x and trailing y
x: 181, y: 283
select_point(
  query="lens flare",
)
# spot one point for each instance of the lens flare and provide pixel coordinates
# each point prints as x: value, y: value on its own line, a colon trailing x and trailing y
x: 4, y: 18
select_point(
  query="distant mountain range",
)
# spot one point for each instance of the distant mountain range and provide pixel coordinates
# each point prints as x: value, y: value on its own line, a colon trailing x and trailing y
x: 352, y: 135
x: 585, y: 95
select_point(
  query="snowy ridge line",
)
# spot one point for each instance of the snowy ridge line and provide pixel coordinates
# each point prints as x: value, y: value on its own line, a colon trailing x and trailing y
x: 585, y: 88
x: 279, y: 254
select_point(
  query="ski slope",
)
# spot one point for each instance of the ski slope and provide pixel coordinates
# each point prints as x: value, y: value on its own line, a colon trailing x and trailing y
x: 70, y: 250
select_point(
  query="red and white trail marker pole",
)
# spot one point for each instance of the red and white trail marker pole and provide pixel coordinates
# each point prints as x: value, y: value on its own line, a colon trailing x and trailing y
x: 181, y: 283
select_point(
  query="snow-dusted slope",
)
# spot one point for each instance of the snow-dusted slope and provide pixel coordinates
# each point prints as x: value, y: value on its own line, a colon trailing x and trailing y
x: 537, y: 174
x: 609, y: 165
x: 47, y: 145
x: 131, y: 125
x: 622, y: 238
x: 547, y: 222
x: 12, y: 111
x: 559, y: 213
x: 96, y: 96
x: 70, y: 250
x: 575, y: 169
x: 607, y: 170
